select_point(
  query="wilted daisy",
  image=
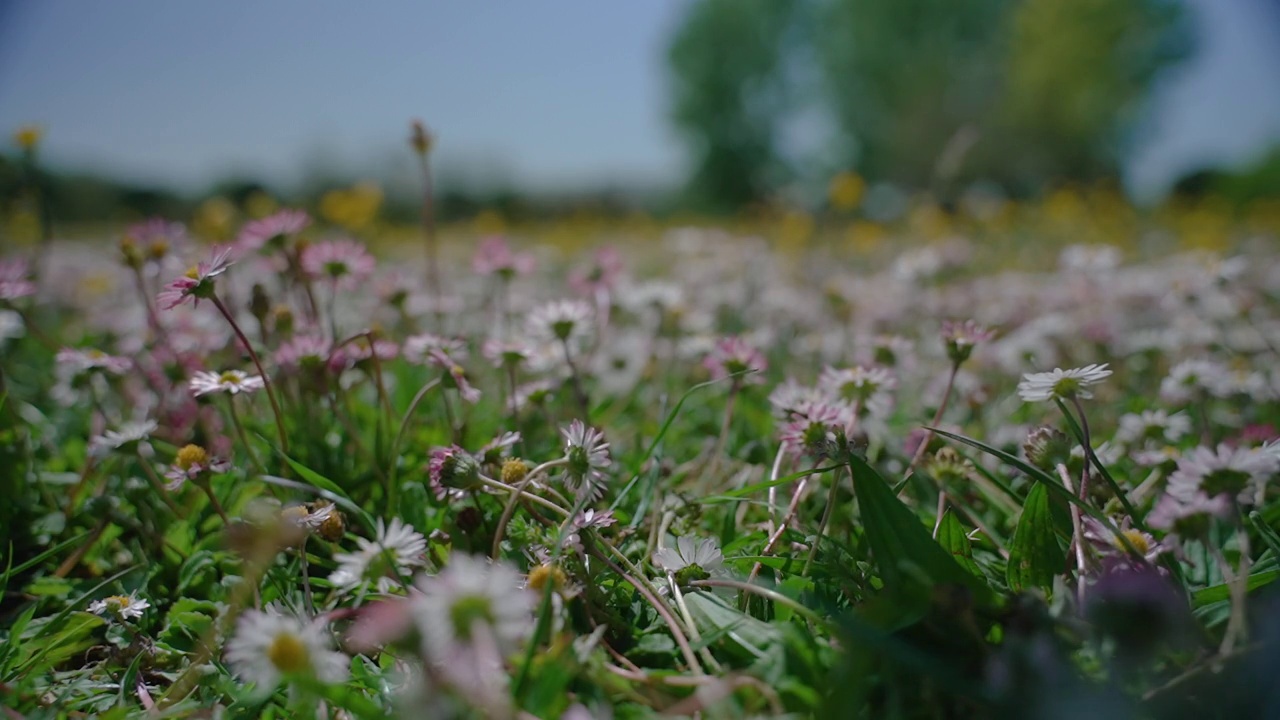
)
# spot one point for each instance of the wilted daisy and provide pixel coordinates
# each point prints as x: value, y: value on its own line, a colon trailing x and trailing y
x: 734, y: 355
x: 120, y: 607
x: 193, y: 463
x: 272, y: 230
x: 1237, y: 473
x: 128, y: 438
x: 587, y: 456
x: 591, y: 518
x: 198, y: 282
x: 690, y: 559
x: 396, y: 550
x: 1059, y: 383
x: 561, y: 321
x: 345, y: 263
x: 269, y: 647
x: 228, y: 381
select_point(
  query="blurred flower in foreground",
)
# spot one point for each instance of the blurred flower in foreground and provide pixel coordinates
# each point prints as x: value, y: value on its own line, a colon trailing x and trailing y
x: 269, y: 647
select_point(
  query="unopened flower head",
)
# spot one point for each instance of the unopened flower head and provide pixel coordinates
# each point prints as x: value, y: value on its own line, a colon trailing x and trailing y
x: 120, y: 607
x: 197, y: 283
x: 396, y: 550
x: 452, y: 469
x: 1062, y: 384
x: 306, y: 353
x: 587, y: 456
x: 270, y: 647
x: 232, y: 382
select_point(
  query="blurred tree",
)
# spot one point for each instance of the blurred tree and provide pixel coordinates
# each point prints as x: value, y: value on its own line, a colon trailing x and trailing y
x: 727, y: 70
x: 1017, y: 91
x: 925, y: 93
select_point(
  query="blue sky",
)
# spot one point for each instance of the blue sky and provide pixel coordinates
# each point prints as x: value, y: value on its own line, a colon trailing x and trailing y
x: 555, y: 94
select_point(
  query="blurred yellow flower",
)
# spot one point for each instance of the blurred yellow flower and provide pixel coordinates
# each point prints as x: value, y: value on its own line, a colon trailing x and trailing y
x: 845, y: 191
x: 865, y: 237
x: 488, y: 222
x: 214, y: 218
x: 353, y: 208
x: 28, y: 137
x: 260, y: 205
x: 794, y: 231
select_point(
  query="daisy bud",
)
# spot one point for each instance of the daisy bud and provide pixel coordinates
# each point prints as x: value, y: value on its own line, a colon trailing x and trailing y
x: 419, y: 139
x: 259, y: 303
x: 282, y: 319
x: 1046, y: 447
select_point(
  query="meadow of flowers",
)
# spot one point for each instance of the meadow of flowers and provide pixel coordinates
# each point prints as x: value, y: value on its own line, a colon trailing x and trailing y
x: 283, y: 477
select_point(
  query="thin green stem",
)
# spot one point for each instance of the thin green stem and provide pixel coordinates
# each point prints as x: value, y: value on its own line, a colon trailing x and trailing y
x: 257, y: 363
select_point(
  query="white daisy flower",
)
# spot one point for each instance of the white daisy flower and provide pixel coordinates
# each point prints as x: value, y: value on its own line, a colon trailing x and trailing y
x: 588, y: 455
x: 1065, y: 384
x: 1117, y: 544
x: 129, y: 437
x: 270, y: 646
x: 1238, y: 473
x: 561, y: 321
x: 1152, y: 426
x: 228, y: 381
x: 867, y: 388
x: 380, y: 562
x: 1191, y: 378
x: 120, y: 607
x: 471, y: 617
x: 689, y: 552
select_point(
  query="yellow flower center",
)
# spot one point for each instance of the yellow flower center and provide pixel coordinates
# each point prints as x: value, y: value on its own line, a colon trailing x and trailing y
x: 541, y: 575
x: 1135, y: 539
x: 116, y: 602
x: 229, y: 377
x: 289, y: 654
x: 514, y: 470
x: 191, y: 455
x: 158, y: 249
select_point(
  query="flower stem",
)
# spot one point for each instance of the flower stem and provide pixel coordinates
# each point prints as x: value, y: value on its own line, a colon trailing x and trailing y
x: 266, y: 381
x: 575, y: 378
x: 827, y: 512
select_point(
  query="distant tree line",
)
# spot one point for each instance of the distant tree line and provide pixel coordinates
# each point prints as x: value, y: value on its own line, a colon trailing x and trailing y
x: 927, y: 94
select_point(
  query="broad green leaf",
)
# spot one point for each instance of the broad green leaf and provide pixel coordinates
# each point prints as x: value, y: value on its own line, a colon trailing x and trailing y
x: 1221, y: 592
x: 952, y: 537
x: 1035, y: 556
x: 903, y: 549
x: 716, y: 617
